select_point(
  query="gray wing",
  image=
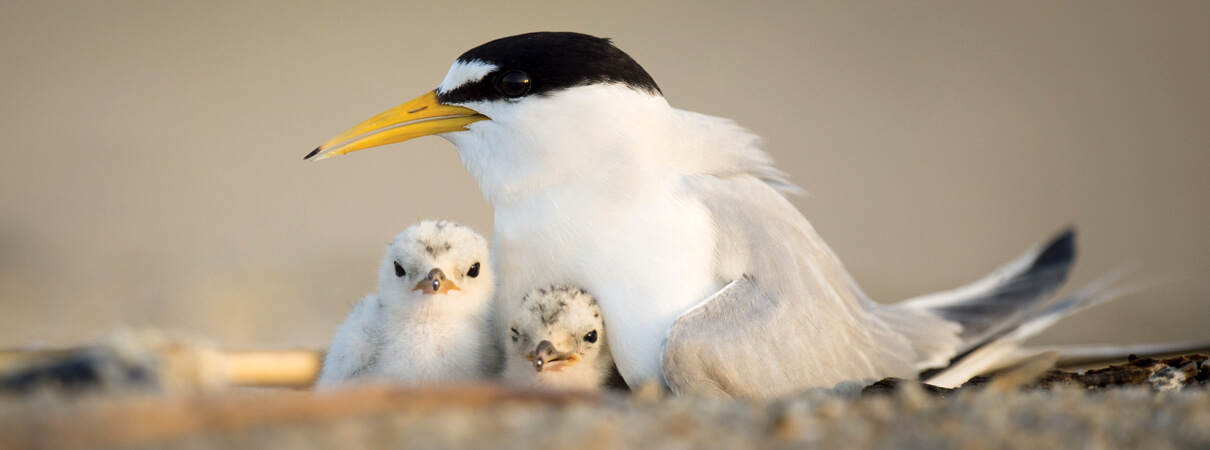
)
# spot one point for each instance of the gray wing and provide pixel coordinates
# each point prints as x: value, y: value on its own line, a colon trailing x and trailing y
x: 742, y: 343
x: 794, y: 319
x: 791, y: 320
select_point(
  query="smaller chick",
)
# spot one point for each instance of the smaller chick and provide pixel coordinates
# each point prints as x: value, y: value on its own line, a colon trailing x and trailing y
x: 427, y: 323
x: 557, y: 340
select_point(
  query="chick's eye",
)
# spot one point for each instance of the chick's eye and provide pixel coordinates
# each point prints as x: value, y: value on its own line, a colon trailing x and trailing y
x: 399, y: 272
x: 516, y: 334
x: 474, y: 272
x: 591, y: 337
x: 513, y: 84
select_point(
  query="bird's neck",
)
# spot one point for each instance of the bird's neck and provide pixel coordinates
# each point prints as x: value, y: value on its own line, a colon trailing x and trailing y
x: 589, y: 138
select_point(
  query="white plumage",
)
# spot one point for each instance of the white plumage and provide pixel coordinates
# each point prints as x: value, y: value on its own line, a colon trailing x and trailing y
x: 557, y: 340
x: 428, y: 321
x: 578, y: 202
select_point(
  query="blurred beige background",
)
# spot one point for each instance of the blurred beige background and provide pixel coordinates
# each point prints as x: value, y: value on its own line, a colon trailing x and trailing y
x: 152, y: 168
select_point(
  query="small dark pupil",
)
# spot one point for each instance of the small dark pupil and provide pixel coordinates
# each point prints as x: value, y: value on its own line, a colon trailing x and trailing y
x: 591, y: 337
x: 474, y: 272
x: 399, y: 272
x: 514, y: 84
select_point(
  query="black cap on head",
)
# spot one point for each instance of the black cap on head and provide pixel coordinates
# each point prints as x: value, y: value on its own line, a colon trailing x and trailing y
x: 545, y: 62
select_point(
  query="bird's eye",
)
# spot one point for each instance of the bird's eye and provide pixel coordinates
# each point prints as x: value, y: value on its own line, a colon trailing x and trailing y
x: 516, y: 334
x: 513, y: 84
x: 399, y: 272
x: 474, y: 272
x: 591, y: 337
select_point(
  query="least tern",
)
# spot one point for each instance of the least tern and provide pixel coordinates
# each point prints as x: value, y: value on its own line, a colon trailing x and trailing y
x: 557, y: 340
x: 710, y: 281
x: 428, y: 321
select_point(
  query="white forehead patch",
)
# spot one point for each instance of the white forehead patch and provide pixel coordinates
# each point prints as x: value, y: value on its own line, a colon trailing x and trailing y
x: 463, y: 72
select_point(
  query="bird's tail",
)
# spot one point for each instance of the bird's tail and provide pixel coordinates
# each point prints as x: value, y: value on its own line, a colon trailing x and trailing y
x: 1007, y: 350
x: 986, y: 309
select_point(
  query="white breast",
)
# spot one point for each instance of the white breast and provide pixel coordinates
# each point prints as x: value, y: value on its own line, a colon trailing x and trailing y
x: 620, y: 250
x: 423, y: 347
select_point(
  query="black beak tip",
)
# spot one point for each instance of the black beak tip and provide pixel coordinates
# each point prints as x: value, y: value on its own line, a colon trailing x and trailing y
x: 313, y: 153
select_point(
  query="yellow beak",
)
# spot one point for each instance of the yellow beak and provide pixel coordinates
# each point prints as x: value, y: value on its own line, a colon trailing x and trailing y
x: 422, y: 116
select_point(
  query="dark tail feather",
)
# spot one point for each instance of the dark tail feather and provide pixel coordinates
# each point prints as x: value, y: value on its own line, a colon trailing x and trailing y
x: 1007, y: 349
x: 1003, y: 300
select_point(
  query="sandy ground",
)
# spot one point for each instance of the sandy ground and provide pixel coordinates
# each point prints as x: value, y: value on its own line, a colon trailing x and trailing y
x: 489, y: 417
x: 138, y: 390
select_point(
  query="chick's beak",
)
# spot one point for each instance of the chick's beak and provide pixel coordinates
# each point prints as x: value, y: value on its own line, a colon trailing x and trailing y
x: 422, y: 116
x: 435, y: 283
x: 546, y: 358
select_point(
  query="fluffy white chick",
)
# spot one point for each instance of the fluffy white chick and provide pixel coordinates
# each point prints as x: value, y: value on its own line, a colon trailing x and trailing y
x: 557, y: 340
x: 427, y: 323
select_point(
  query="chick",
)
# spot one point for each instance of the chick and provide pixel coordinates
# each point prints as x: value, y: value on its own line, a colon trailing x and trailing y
x: 427, y: 323
x: 557, y: 340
